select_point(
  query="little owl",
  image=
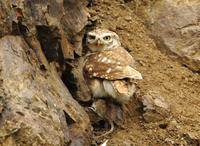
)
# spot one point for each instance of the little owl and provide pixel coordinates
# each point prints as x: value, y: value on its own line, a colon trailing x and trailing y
x: 108, y: 69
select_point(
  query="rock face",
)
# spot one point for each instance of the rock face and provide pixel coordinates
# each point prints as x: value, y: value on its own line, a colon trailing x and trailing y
x: 35, y: 106
x: 175, y: 27
x: 27, y: 17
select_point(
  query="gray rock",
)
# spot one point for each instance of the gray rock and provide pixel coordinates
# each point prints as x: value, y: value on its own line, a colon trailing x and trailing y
x: 175, y: 27
x: 155, y: 107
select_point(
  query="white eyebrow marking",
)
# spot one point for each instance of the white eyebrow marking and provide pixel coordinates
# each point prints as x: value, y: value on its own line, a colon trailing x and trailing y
x: 108, y: 70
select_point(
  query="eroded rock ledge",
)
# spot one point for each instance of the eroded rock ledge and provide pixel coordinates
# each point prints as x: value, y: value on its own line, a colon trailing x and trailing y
x: 35, y: 104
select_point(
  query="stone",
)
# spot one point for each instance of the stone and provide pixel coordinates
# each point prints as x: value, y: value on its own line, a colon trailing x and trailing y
x: 175, y: 27
x: 36, y: 107
x: 155, y: 107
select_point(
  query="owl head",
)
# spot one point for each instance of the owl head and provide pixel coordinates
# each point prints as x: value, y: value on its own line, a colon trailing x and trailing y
x: 102, y: 39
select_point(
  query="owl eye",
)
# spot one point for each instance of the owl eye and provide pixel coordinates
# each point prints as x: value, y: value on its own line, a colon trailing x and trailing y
x: 91, y: 37
x: 107, y: 38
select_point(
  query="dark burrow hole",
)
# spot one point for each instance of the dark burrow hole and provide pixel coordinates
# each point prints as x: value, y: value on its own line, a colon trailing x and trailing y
x: 163, y: 125
x: 50, y: 40
x: 69, y: 80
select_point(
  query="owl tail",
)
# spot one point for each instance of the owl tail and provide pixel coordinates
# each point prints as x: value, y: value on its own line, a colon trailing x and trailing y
x: 119, y: 90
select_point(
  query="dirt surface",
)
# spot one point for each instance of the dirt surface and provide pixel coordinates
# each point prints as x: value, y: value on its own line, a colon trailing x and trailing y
x: 178, y: 85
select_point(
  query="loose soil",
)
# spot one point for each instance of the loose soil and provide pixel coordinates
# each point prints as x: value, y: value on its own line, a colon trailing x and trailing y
x: 177, y: 84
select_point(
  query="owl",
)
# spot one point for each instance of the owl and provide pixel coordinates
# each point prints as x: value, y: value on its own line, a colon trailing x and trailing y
x: 109, y: 69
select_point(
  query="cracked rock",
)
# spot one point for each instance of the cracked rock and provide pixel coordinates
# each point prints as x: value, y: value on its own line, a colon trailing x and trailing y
x: 155, y: 107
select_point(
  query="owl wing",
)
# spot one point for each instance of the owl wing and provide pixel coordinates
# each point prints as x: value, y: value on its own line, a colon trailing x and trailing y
x: 111, y: 64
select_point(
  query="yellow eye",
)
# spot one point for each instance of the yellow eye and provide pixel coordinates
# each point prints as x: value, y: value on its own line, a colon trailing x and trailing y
x: 91, y: 37
x: 107, y: 38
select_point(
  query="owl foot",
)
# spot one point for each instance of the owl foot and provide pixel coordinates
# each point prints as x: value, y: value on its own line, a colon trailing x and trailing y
x: 106, y: 133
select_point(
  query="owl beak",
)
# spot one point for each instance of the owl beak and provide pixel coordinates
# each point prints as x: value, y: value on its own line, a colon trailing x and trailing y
x: 98, y: 43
